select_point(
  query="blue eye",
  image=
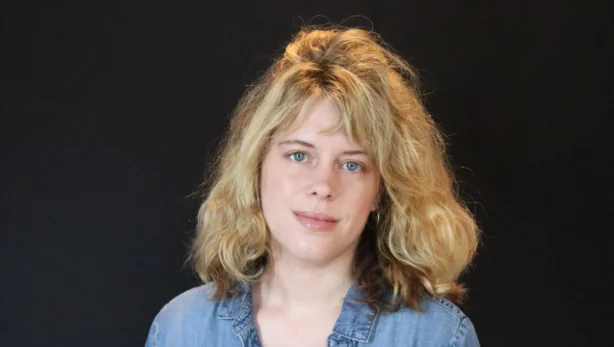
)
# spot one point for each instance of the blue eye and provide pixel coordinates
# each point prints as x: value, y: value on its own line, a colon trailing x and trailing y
x: 298, y: 156
x: 352, y: 166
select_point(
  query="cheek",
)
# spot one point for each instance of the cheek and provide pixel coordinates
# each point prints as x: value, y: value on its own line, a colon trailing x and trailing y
x: 278, y: 200
x: 278, y: 188
x: 359, y: 201
x: 279, y: 178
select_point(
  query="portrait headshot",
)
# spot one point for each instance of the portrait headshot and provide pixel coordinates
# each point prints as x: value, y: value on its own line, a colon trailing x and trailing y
x: 306, y: 174
x: 331, y: 217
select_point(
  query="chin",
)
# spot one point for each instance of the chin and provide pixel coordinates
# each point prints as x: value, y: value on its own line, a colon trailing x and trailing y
x: 311, y: 247
x: 313, y: 253
x: 313, y: 259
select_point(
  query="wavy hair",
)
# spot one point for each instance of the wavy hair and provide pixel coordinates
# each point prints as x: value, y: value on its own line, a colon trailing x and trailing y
x: 422, y: 237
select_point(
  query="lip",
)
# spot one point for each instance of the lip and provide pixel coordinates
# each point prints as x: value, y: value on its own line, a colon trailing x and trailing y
x: 316, y: 221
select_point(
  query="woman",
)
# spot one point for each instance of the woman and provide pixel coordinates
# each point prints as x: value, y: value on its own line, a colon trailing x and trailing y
x: 332, y: 217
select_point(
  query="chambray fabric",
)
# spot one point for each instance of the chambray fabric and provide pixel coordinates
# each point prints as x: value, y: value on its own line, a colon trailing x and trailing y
x: 193, y: 320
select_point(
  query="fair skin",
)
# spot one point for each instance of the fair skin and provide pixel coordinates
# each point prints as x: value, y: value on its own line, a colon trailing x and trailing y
x: 317, y: 191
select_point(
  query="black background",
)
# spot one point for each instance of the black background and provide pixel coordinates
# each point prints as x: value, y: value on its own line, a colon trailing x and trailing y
x: 110, y: 111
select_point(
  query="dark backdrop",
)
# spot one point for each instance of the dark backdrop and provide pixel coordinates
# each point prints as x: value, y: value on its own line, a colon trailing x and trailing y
x: 110, y: 111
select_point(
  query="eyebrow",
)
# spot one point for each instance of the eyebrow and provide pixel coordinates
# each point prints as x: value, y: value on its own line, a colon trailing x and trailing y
x: 309, y: 145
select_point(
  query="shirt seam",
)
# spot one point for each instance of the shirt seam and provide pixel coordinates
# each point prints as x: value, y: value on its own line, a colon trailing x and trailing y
x: 460, y: 315
x: 455, y: 336
x: 240, y: 312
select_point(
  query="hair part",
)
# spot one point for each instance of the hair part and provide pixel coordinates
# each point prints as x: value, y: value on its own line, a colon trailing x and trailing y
x: 424, y: 237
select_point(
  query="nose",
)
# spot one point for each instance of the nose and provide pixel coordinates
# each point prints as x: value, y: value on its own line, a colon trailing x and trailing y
x: 324, y: 184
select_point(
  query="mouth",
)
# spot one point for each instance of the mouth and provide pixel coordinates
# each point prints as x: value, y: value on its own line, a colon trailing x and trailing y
x: 316, y: 221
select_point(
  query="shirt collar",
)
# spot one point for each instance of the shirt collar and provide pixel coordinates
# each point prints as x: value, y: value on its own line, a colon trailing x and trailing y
x: 357, y: 318
x: 356, y: 321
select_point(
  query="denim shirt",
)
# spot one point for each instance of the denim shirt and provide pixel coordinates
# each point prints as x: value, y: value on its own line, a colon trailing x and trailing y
x: 193, y: 320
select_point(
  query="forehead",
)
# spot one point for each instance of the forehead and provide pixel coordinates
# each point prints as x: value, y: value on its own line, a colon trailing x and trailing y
x: 320, y: 120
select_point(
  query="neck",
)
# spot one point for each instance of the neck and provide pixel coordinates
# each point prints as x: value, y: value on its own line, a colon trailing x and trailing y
x: 297, y: 286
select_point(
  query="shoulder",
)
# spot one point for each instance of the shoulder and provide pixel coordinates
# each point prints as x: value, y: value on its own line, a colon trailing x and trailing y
x: 183, y: 317
x: 442, y: 308
x: 439, y: 323
x: 190, y: 302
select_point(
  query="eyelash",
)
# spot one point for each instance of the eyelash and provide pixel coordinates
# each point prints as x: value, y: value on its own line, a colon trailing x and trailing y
x: 360, y: 166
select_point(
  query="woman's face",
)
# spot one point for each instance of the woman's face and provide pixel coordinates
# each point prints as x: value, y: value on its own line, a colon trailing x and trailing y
x: 317, y: 190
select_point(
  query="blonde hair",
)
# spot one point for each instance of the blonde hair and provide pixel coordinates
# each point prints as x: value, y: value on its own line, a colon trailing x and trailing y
x: 423, y: 236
